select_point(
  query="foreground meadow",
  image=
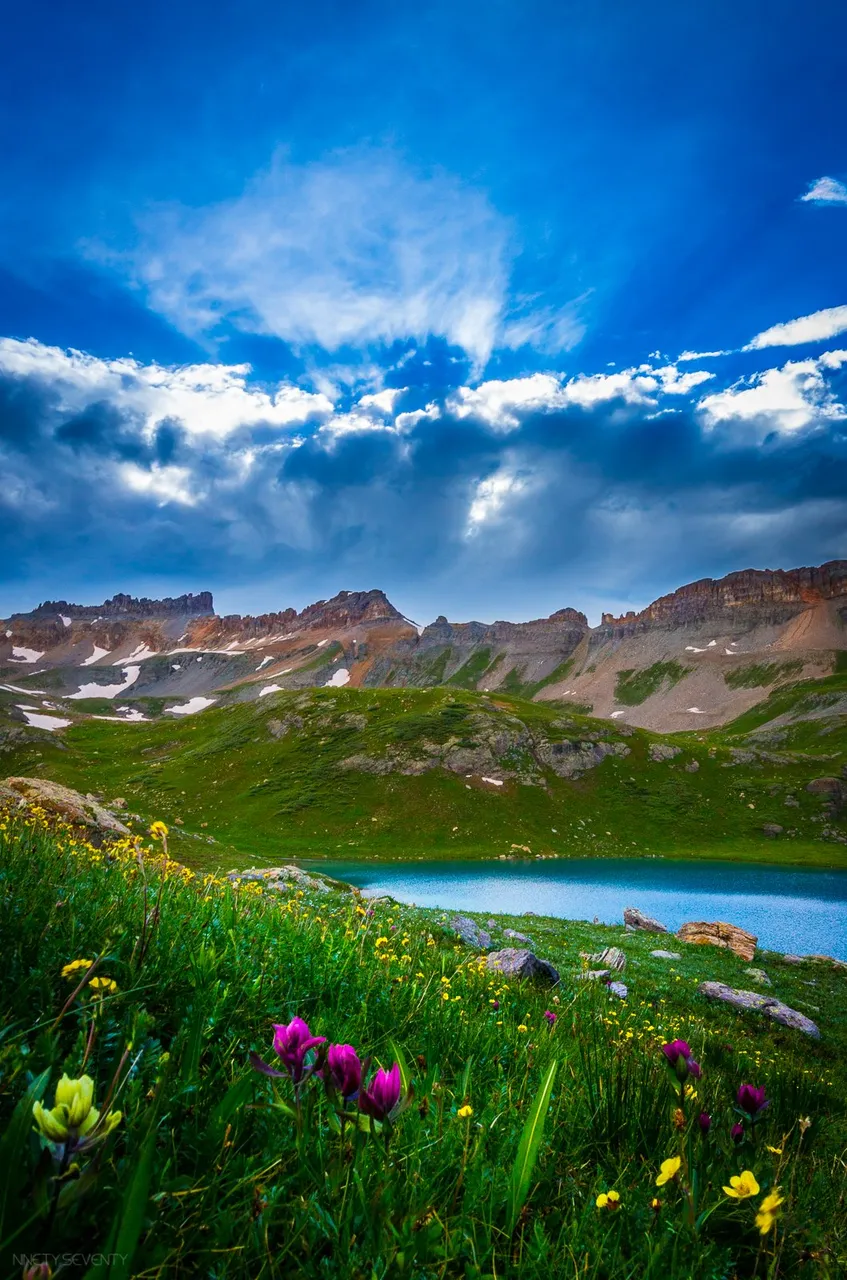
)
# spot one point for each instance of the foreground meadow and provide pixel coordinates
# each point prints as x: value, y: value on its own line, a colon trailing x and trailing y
x: 199, y: 1079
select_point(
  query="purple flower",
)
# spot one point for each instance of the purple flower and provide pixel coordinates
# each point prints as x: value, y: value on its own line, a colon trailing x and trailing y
x: 291, y: 1044
x: 495, y: 1005
x: 752, y: 1100
x: 737, y: 1133
x: 343, y: 1071
x: 551, y: 1017
x: 705, y: 1121
x: 380, y: 1099
x: 678, y: 1054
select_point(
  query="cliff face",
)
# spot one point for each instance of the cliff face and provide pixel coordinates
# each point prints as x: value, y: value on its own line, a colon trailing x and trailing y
x: 347, y: 610
x: 122, y: 607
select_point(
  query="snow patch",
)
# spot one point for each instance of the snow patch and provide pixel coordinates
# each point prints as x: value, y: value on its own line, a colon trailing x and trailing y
x: 8, y: 635
x: 695, y: 711
x: 175, y: 666
x: 270, y: 688
x: 16, y: 688
x: 615, y: 715
x: 95, y: 657
x: 193, y: 704
x: 107, y: 690
x: 138, y: 655
x: 264, y: 663
x: 20, y: 654
x: 46, y: 722
x: 66, y: 622
x: 495, y: 782
x: 321, y: 643
x: 342, y: 676
x: 133, y: 716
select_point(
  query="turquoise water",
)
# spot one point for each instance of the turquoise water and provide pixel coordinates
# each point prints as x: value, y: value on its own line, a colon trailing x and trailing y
x: 788, y: 909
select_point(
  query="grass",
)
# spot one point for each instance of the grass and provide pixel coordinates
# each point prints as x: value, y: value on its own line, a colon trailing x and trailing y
x: 634, y: 687
x: 512, y: 1131
x: 758, y: 674
x: 518, y: 687
x: 269, y: 777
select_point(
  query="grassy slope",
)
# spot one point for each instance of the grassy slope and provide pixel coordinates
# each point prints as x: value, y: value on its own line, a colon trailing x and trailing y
x: 232, y: 1193
x: 225, y: 774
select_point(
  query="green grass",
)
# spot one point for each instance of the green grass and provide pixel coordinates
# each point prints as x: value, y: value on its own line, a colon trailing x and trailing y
x: 758, y: 674
x: 472, y: 671
x: 212, y: 1170
x: 518, y: 687
x: 635, y: 686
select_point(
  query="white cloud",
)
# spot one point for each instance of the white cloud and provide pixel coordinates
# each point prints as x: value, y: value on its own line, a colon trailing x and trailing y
x: 490, y: 497
x: 784, y: 400
x: 826, y: 191
x: 209, y: 399
x: 503, y: 403
x: 699, y: 355
x: 168, y: 484
x: 817, y: 327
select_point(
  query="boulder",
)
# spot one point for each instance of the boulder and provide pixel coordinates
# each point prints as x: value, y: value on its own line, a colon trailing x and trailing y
x: 767, y: 1005
x: 517, y: 937
x: 759, y: 975
x: 638, y: 920
x: 772, y: 829
x: 282, y: 879
x: 666, y: 955
x: 826, y: 787
x: 660, y: 751
x: 65, y: 804
x: 470, y: 932
x: 719, y: 934
x: 611, y: 957
x: 525, y: 965
x: 693, y: 766
x: 593, y: 975
x: 618, y: 989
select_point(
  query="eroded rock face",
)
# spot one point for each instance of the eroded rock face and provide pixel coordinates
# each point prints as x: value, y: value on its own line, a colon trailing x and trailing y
x: 470, y: 932
x: 771, y: 1008
x: 611, y: 957
x: 638, y: 920
x: 719, y: 934
x: 523, y: 964
x: 65, y: 804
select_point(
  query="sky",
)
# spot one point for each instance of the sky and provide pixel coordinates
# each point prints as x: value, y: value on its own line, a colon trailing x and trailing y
x: 499, y: 307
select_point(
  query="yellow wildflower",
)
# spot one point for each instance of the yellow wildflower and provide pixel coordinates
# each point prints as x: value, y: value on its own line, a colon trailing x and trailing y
x: 75, y: 966
x: 608, y: 1200
x: 522, y: 1026
x: 742, y: 1186
x: 464, y: 1112
x: 73, y: 1117
x: 102, y: 986
x: 669, y: 1169
x: 768, y: 1210
x: 158, y: 831
x: 775, y: 1151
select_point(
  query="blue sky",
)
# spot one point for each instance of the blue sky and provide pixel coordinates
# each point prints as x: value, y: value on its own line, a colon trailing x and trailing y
x: 302, y: 298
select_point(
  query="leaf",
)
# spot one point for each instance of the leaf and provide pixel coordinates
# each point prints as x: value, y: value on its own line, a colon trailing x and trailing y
x: 128, y: 1226
x: 13, y: 1165
x: 234, y: 1098
x: 528, y: 1147
x: 400, y: 1059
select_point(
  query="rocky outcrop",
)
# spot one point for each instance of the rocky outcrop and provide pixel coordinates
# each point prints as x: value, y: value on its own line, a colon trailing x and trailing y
x: 63, y: 803
x: 121, y: 607
x: 612, y: 957
x: 636, y: 919
x: 719, y: 934
x: 523, y: 964
x: 774, y: 1009
x: 470, y: 933
x: 284, y: 879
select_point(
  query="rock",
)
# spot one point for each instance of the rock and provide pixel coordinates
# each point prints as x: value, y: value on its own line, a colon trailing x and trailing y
x: 772, y: 829
x: 280, y: 879
x: 117, y: 803
x: 618, y: 989
x: 693, y: 766
x: 65, y: 804
x: 666, y: 955
x: 759, y: 975
x: 767, y: 1005
x: 593, y: 975
x: 638, y: 920
x: 660, y: 751
x: 818, y: 959
x: 788, y: 958
x: 719, y: 934
x: 517, y: 937
x: 611, y: 957
x: 826, y: 787
x: 470, y: 933
x: 514, y: 963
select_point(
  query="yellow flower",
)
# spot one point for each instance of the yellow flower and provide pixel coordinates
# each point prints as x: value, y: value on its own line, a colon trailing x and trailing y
x: 608, y: 1200
x: 669, y: 1170
x: 73, y: 1116
x: 464, y: 1112
x: 158, y: 831
x: 742, y: 1186
x: 103, y: 985
x: 768, y: 1210
x: 655, y: 1204
x: 522, y: 1026
x: 776, y: 1151
x: 75, y: 965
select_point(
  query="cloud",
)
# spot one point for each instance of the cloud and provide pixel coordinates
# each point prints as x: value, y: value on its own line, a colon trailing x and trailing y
x: 699, y: 355
x: 820, y: 326
x: 781, y: 400
x: 826, y: 191
x: 168, y: 484
x: 491, y: 495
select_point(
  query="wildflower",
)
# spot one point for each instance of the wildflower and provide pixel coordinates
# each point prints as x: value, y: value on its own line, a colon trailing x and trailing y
x: 678, y: 1118
x: 522, y: 1026
x: 495, y: 1004
x: 74, y: 1119
x: 705, y: 1121
x: 678, y: 1054
x: 742, y: 1186
x: 380, y: 1099
x: 776, y: 1151
x: 668, y: 1171
x: 608, y: 1200
x: 752, y: 1100
x: 804, y: 1123
x: 291, y: 1043
x: 655, y: 1204
x: 75, y: 966
x: 159, y: 831
x: 551, y: 1018
x: 103, y: 986
x: 768, y: 1210
x: 343, y: 1070
x: 737, y: 1133
x: 465, y: 1112
x: 38, y: 1271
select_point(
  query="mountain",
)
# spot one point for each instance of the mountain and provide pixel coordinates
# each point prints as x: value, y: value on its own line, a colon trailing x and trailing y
x: 693, y: 659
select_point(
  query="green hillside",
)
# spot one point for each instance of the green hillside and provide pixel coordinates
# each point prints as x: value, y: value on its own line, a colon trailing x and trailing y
x: 401, y: 772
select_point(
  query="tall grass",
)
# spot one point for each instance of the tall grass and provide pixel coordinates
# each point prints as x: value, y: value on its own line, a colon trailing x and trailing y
x: 516, y: 1124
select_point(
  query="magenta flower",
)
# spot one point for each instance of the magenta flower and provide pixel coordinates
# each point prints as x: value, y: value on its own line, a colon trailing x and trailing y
x: 678, y: 1054
x: 752, y: 1100
x: 705, y: 1121
x: 291, y: 1044
x: 551, y: 1018
x: 343, y: 1071
x: 737, y: 1133
x: 380, y: 1099
x: 495, y: 1005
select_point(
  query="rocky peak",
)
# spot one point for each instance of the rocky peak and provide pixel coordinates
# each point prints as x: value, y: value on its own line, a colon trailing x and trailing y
x: 124, y: 608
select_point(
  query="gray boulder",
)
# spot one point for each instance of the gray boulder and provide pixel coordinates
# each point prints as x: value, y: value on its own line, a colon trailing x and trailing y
x: 638, y: 920
x: 666, y: 955
x: 618, y: 989
x: 767, y: 1005
x: 612, y: 958
x: 525, y: 965
x: 660, y: 751
x: 64, y: 804
x: 594, y: 975
x: 517, y: 937
x: 470, y: 932
x: 759, y: 975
